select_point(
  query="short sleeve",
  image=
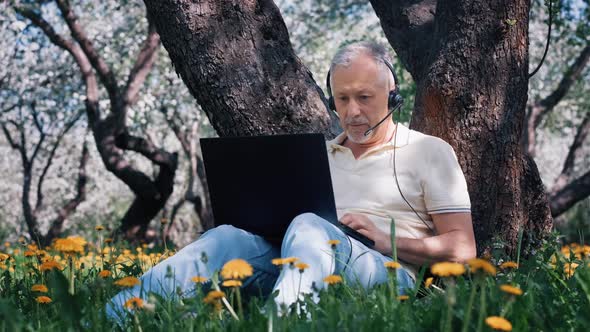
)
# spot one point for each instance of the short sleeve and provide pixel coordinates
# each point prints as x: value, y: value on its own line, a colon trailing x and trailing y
x: 444, y: 185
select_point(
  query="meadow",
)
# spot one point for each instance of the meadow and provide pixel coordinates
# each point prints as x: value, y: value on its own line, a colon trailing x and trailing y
x: 65, y: 287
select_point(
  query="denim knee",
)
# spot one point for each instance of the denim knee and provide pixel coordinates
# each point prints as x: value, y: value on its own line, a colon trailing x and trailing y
x: 307, y: 219
x: 226, y: 233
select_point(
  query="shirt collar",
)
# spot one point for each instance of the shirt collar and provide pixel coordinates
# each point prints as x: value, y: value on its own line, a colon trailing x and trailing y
x: 401, y: 138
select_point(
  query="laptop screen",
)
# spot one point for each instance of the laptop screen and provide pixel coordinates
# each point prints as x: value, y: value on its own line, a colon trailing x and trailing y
x: 260, y: 183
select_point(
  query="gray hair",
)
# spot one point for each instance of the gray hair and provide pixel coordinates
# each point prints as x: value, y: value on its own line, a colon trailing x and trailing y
x: 345, y: 55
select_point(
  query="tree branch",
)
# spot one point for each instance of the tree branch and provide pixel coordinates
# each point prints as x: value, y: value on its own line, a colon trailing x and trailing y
x: 566, y: 197
x: 539, y: 109
x: 56, y: 226
x: 574, y: 152
x: 79, y: 56
x: 143, y: 65
x: 11, y: 141
x: 104, y: 72
x: 146, y: 148
x: 572, y: 74
x: 49, y: 161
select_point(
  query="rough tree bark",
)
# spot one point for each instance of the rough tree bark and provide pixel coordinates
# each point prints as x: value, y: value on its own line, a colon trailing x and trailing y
x: 471, y: 70
x: 236, y: 60
x: 110, y: 132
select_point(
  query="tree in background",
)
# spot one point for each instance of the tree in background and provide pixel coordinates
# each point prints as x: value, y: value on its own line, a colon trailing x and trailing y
x: 36, y: 100
x: 110, y: 131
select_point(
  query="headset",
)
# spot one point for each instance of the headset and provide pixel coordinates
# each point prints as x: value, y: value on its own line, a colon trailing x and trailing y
x: 394, y: 102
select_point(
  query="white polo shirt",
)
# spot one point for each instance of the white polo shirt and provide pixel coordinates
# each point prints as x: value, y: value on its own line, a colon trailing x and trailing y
x: 428, y: 173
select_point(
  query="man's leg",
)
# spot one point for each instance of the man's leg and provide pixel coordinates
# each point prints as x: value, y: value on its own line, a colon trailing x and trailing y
x: 220, y: 244
x: 307, y: 239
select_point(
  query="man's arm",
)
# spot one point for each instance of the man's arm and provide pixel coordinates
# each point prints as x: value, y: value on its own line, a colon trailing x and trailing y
x: 454, y: 240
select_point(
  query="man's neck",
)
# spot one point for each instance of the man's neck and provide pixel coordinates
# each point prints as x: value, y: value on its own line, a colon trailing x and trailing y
x: 358, y: 149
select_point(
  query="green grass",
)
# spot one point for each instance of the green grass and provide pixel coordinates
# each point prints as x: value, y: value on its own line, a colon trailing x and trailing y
x: 552, y: 300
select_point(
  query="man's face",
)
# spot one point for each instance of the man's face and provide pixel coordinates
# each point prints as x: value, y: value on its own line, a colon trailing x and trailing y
x: 360, y: 93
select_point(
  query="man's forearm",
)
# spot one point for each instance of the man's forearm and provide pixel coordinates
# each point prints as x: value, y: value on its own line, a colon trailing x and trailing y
x: 452, y: 246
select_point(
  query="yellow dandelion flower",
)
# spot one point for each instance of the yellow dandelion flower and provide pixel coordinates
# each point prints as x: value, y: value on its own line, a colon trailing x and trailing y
x: 333, y: 279
x: 104, y: 274
x: 99, y: 228
x: 127, y: 282
x: 39, y: 288
x: 498, y: 323
x: 3, y: 257
x: 236, y: 269
x: 392, y: 265
x: 108, y: 240
x: 428, y: 282
x: 301, y: 266
x: 403, y: 297
x: 50, y: 265
x: 447, y: 269
x: 134, y: 303
x: 43, y: 299
x: 30, y: 253
x: 509, y: 265
x: 232, y: 283
x: 511, y: 289
x: 70, y: 245
x: 569, y: 269
x: 7, y: 244
x: 290, y: 260
x: 199, y: 279
x: 3, y: 266
x: 333, y: 243
x: 476, y: 264
x: 277, y: 261
x: 213, y: 295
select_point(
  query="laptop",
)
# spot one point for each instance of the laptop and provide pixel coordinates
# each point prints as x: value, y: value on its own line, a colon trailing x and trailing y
x: 261, y: 183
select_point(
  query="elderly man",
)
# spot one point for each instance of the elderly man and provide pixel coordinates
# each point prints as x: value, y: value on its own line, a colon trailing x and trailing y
x: 381, y: 171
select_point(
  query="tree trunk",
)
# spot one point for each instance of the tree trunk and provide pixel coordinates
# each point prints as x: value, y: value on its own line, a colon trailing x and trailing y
x: 471, y: 72
x: 236, y: 60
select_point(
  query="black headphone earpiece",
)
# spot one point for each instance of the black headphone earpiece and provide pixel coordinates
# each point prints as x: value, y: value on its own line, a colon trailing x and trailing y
x: 394, y: 99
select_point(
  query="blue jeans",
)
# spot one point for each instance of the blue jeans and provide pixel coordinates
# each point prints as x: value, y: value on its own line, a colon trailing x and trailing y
x: 306, y: 238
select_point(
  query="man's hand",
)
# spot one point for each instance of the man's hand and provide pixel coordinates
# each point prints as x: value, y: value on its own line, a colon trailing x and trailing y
x: 362, y: 224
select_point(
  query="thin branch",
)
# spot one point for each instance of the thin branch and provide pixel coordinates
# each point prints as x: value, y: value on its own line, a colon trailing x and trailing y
x: 574, y: 153
x: 49, y: 161
x: 550, y: 23
x: 9, y: 108
x: 11, y: 141
x: 574, y: 192
x: 572, y: 74
x: 57, y: 225
x: 143, y: 65
x: 104, y: 72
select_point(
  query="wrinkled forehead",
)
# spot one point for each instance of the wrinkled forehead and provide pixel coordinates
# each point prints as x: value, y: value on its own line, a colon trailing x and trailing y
x: 361, y: 72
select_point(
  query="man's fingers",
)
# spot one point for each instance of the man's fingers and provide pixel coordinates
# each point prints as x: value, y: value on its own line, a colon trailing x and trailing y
x: 365, y: 233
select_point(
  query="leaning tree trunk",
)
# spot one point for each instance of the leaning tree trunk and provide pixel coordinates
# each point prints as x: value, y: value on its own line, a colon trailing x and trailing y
x: 471, y: 71
x: 236, y: 59
x: 470, y: 64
